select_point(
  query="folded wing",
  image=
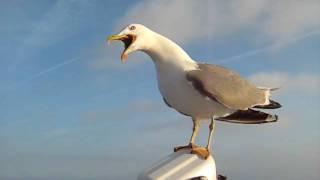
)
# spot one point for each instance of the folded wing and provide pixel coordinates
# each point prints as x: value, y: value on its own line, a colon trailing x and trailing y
x: 226, y: 87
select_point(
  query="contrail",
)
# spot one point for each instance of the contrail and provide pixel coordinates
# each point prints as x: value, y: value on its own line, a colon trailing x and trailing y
x: 225, y: 60
x: 270, y: 47
x: 41, y: 73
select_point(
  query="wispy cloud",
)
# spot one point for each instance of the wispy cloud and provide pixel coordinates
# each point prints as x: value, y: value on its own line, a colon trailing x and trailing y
x: 190, y: 19
x: 61, y: 21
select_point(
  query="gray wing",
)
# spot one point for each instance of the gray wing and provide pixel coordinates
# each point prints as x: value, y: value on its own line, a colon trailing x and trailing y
x: 225, y: 86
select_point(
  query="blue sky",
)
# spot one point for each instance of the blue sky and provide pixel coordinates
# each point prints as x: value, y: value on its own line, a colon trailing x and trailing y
x: 71, y: 110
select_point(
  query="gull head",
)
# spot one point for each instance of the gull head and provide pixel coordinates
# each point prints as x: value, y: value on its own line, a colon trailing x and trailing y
x: 134, y: 37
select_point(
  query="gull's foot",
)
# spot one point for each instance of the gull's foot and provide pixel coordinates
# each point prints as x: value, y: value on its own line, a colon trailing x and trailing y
x: 189, y: 146
x: 201, y: 151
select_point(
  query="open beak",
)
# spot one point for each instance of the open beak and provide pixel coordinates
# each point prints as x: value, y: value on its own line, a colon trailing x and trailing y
x: 127, y: 39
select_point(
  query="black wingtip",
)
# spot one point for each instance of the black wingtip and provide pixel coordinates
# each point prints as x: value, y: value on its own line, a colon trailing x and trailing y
x: 249, y: 117
x: 273, y: 105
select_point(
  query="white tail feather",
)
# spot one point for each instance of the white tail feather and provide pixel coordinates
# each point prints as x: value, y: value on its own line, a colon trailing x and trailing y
x: 270, y: 89
x: 267, y: 94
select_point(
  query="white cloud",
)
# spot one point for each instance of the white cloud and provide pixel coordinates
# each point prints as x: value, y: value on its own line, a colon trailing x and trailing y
x: 306, y: 83
x: 180, y: 20
x: 186, y: 20
x: 291, y: 17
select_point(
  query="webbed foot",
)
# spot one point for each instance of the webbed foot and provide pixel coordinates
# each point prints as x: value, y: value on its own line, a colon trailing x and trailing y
x: 201, y: 151
x: 189, y: 146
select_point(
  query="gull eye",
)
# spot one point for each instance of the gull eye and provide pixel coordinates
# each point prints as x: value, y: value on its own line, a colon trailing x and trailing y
x: 132, y: 28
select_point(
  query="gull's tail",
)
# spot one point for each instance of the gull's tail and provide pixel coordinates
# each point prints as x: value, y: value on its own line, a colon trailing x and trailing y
x: 269, y: 104
x: 249, y: 117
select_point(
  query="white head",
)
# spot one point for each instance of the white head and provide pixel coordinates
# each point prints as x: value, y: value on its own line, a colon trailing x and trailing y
x: 135, y: 37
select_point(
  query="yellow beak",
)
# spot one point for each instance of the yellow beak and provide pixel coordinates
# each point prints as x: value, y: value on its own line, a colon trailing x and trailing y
x: 123, y: 38
x: 115, y: 37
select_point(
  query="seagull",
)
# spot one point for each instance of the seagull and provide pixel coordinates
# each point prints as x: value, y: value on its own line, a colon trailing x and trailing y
x: 199, y: 90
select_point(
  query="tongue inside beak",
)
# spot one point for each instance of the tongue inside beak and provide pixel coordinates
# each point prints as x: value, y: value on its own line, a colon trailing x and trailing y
x: 127, y: 40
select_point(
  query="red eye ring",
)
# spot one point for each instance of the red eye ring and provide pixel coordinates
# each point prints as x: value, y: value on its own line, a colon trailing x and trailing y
x: 132, y: 28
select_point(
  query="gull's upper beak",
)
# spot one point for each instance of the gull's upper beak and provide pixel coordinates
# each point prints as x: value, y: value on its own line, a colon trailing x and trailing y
x: 115, y: 37
x: 127, y: 39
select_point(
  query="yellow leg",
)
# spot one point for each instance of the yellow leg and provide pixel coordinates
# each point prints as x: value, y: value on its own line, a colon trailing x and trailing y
x: 205, y: 152
x: 195, y: 130
x: 211, y: 131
